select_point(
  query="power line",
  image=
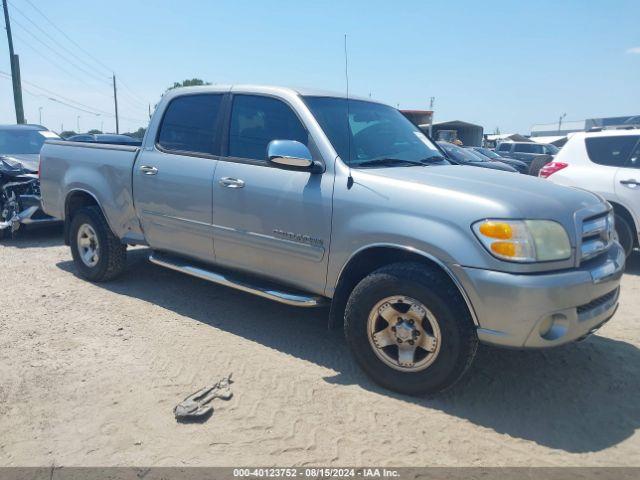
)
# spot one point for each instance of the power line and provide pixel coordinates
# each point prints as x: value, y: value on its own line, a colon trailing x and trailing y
x: 131, y: 93
x: 135, y: 102
x: 108, y: 69
x: 70, y: 52
x: 56, y: 64
x: 82, y: 69
x: 131, y: 96
x: 93, y: 110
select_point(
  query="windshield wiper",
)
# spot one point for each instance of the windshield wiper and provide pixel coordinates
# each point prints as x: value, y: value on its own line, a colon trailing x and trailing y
x: 389, y: 162
x: 432, y: 159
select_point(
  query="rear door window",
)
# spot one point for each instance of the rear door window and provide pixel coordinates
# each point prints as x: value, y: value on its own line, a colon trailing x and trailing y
x: 190, y: 124
x: 613, y: 151
x: 256, y: 121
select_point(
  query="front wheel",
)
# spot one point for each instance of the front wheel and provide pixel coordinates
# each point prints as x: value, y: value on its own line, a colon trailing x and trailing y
x: 625, y: 234
x: 97, y: 253
x: 409, y: 329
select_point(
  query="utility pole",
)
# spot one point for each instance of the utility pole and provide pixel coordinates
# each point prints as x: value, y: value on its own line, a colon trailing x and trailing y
x: 15, y: 69
x: 78, y: 123
x: 115, y: 100
x: 431, y: 102
x: 560, y: 122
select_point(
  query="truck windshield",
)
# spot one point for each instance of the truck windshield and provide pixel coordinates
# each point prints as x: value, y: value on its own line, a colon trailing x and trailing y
x: 380, y: 135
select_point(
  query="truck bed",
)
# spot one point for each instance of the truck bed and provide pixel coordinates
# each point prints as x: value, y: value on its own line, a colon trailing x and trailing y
x: 104, y: 171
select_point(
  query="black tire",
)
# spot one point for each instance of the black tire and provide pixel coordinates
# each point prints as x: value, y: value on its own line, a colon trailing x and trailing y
x: 5, y: 234
x: 439, y: 295
x: 537, y: 164
x: 625, y: 234
x: 112, y: 258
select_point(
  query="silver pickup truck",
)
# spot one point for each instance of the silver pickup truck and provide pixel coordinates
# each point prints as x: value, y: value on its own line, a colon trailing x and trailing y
x: 309, y: 198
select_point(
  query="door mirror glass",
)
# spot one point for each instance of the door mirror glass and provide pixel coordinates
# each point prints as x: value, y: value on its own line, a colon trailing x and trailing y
x: 289, y: 154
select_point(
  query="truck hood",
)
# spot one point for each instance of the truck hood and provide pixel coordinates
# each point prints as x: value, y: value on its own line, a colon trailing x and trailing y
x: 471, y: 194
x: 29, y: 161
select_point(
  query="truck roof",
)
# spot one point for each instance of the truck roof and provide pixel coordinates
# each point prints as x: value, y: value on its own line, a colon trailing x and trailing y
x: 268, y: 89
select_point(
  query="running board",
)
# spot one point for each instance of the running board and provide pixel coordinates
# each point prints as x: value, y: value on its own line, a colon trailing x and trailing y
x: 225, y: 279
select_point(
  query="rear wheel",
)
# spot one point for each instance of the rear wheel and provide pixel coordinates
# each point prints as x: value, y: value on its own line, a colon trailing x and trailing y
x: 537, y: 164
x: 625, y: 234
x: 409, y: 329
x: 97, y: 253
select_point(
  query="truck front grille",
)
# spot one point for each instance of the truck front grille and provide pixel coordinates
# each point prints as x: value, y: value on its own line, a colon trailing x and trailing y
x: 597, y: 236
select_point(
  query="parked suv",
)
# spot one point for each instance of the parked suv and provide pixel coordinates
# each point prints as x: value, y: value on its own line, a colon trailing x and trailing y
x: 607, y: 163
x: 527, y: 151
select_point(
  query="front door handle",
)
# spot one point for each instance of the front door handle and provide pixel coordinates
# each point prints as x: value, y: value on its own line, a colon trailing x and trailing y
x: 231, y: 182
x: 148, y: 170
x: 632, y: 182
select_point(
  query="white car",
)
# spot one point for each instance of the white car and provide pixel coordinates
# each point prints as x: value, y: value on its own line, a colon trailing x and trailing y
x: 607, y: 163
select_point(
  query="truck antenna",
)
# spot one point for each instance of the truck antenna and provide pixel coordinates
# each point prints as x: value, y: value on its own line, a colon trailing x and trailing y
x: 346, y: 76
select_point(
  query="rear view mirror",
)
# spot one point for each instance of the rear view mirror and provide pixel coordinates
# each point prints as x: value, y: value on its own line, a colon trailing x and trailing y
x: 289, y: 154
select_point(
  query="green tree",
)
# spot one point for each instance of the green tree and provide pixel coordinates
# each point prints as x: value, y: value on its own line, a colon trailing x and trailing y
x: 189, y: 83
x: 68, y: 133
x: 91, y: 132
x: 138, y: 133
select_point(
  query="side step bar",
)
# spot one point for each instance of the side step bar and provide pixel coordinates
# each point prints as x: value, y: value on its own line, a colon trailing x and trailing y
x: 289, y: 298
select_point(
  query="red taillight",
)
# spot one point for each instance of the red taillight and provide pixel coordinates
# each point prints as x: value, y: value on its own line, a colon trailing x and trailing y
x: 551, y: 168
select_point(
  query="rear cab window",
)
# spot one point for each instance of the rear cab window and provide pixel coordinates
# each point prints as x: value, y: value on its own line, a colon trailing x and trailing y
x: 256, y: 121
x: 190, y: 124
x: 504, y: 147
x: 614, y: 151
x: 528, y: 148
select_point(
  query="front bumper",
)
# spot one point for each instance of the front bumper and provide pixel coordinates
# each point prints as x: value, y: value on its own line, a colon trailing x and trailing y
x: 543, y: 310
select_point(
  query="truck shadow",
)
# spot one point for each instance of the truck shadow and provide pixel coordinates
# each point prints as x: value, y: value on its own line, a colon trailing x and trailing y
x: 36, y: 237
x: 579, y: 398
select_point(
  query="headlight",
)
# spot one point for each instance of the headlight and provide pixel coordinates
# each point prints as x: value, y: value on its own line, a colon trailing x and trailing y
x: 524, y: 240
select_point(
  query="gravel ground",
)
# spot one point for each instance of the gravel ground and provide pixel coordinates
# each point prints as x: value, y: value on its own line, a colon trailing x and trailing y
x: 89, y: 375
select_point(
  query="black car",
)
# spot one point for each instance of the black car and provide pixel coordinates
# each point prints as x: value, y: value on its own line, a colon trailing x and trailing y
x: 463, y: 156
x: 527, y: 152
x: 494, y: 157
x: 107, y: 138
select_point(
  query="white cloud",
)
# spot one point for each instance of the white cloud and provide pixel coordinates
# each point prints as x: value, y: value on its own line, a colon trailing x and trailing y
x: 635, y: 50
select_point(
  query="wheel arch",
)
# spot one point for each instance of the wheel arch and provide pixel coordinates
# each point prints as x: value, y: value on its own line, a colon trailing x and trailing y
x: 74, y: 201
x: 625, y: 213
x: 368, y: 259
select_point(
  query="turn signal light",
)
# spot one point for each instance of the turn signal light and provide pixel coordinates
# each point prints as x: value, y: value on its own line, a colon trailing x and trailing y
x: 506, y: 249
x: 499, y: 230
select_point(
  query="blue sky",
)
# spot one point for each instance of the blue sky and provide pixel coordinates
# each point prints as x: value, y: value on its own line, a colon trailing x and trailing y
x: 503, y: 64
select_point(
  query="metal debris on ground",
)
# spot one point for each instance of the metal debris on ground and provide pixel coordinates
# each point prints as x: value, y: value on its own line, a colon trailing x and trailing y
x: 196, y: 406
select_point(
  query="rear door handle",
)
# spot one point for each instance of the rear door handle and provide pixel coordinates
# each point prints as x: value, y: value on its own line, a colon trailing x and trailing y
x: 231, y: 182
x: 632, y: 182
x: 148, y: 170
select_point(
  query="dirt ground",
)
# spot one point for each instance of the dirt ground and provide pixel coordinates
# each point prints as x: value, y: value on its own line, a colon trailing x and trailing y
x: 89, y: 375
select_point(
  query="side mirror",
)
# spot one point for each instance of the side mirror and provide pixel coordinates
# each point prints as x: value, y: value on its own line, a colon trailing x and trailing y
x: 289, y: 154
